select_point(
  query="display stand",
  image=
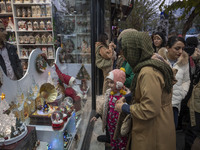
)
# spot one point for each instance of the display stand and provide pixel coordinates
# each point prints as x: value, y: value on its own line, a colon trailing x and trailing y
x: 55, y: 138
x: 28, y: 142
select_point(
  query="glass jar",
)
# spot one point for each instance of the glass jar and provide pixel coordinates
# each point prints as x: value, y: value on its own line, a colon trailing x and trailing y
x: 8, y: 6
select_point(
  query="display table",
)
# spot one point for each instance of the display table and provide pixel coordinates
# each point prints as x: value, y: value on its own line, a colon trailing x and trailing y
x: 28, y: 142
x: 56, y: 138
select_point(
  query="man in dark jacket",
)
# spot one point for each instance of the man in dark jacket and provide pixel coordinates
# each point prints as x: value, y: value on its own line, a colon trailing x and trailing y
x: 9, y: 60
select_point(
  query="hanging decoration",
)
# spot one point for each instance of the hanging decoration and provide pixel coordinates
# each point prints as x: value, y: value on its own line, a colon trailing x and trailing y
x: 83, y: 75
x: 41, y: 63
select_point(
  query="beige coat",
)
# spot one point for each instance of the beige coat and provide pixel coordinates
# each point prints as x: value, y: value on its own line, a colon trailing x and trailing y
x: 153, y: 124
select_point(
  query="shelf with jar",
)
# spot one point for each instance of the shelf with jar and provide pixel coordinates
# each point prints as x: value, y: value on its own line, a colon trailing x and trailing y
x: 6, y: 16
x: 34, y: 29
x: 6, y: 8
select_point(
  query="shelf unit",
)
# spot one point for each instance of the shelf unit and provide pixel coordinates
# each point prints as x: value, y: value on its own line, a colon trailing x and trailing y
x: 8, y: 14
x: 79, y: 34
x: 4, y: 16
x: 24, y: 46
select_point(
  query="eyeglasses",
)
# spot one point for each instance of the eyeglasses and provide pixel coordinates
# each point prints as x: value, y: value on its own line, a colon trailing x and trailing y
x: 2, y: 29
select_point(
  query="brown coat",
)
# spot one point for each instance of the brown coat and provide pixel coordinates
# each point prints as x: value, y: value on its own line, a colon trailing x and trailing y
x: 153, y: 125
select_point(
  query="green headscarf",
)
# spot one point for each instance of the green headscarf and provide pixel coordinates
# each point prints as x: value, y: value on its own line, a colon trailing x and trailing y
x: 137, y: 49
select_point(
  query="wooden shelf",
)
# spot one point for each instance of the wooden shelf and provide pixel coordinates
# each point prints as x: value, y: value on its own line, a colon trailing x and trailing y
x: 35, y: 44
x: 28, y: 4
x: 10, y: 31
x: 33, y: 17
x: 10, y: 14
x: 35, y: 31
x: 83, y: 33
x: 13, y: 43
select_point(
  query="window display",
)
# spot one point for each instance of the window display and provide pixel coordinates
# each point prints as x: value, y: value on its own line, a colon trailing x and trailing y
x: 55, y: 100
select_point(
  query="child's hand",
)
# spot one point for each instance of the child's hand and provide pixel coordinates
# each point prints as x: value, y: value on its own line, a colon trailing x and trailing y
x: 121, y: 100
x: 118, y: 107
x: 93, y: 119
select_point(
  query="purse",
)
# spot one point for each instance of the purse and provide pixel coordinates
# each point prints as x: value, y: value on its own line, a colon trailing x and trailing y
x: 126, y: 126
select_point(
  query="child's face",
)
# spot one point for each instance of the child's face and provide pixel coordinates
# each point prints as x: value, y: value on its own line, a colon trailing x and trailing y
x: 111, y: 84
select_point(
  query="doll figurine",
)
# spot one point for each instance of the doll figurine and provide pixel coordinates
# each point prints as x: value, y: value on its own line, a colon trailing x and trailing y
x: 27, y: 1
x: 32, y: 39
x: 19, y: 12
x: 23, y: 24
x: 50, y: 52
x: 43, y: 11
x: 44, y: 39
x: 19, y: 25
x: 30, y: 26
x: 34, y: 12
x: 49, y: 25
x: 17, y: 1
x: 69, y: 81
x: 35, y: 25
x: 21, y: 39
x: 42, y: 25
x: 37, y: 39
x: 29, y: 13
x: 8, y: 6
x: 49, y: 39
x: 24, y: 53
x: 24, y: 12
x: 26, y: 39
x: 48, y: 10
x: 38, y: 10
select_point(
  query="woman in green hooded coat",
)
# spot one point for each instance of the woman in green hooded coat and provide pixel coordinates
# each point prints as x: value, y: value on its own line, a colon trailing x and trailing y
x: 150, y: 108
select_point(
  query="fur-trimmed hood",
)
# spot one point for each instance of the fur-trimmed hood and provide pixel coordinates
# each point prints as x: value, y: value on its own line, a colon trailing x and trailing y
x: 182, y: 60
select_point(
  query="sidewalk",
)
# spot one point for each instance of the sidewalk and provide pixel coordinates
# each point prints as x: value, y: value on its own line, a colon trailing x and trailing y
x: 95, y: 145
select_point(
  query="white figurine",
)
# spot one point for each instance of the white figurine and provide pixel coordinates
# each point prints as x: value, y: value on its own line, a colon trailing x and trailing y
x: 49, y: 39
x: 48, y: 10
x: 49, y: 25
x: 37, y: 39
x: 26, y: 39
x: 30, y: 26
x: 42, y: 25
x: 34, y: 12
x: 32, y: 39
x: 44, y: 39
x: 29, y: 13
x: 35, y: 25
x: 38, y: 11
x: 27, y: 1
x: 50, y: 52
